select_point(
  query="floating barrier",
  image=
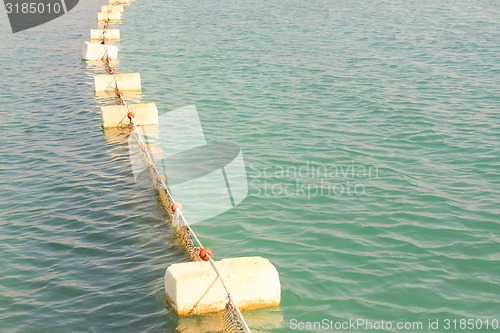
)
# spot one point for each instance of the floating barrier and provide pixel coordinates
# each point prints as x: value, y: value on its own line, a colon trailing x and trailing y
x: 111, y: 17
x: 94, y: 51
x: 204, y: 285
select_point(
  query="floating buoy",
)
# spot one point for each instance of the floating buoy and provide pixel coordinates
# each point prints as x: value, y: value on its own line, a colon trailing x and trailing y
x: 176, y: 206
x: 112, y: 8
x: 109, y: 17
x: 111, y: 34
x: 116, y: 115
x: 192, y: 287
x: 161, y: 178
x: 206, y: 253
x: 130, y: 115
x: 96, y: 51
x: 144, y: 148
x: 128, y: 82
x: 120, y: 94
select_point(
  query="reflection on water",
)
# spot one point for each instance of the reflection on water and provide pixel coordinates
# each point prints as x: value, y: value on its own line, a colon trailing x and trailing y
x: 260, y: 321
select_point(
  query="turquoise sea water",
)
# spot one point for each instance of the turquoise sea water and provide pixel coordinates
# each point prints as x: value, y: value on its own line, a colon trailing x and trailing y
x: 370, y: 132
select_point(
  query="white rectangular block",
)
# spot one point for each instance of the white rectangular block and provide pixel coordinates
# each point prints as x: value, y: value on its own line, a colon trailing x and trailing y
x: 111, y: 34
x: 193, y: 288
x: 111, y: 17
x: 127, y: 81
x: 116, y: 115
x: 97, y: 51
x: 114, y: 9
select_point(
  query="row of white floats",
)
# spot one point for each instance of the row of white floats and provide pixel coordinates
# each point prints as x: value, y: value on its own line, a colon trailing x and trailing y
x: 191, y: 288
x: 97, y: 50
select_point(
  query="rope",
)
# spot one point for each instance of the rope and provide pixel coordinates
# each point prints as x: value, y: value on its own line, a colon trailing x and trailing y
x: 116, y: 3
x: 186, y: 235
x: 233, y: 321
x: 106, y: 23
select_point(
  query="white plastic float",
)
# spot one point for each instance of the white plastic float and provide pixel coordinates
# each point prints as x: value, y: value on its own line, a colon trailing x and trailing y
x: 112, y: 8
x: 111, y: 34
x: 127, y: 81
x: 111, y: 17
x: 97, y: 51
x: 194, y: 288
x: 117, y: 115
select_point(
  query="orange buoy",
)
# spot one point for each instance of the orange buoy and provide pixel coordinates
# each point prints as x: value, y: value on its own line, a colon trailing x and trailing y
x: 119, y: 93
x: 161, y: 178
x: 176, y: 205
x: 130, y: 115
x: 206, y: 253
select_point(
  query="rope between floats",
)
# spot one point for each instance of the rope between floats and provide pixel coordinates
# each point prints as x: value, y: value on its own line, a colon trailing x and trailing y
x: 236, y: 324
x: 106, y: 23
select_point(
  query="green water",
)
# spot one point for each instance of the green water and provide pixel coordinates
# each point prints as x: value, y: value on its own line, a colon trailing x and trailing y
x: 370, y: 132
